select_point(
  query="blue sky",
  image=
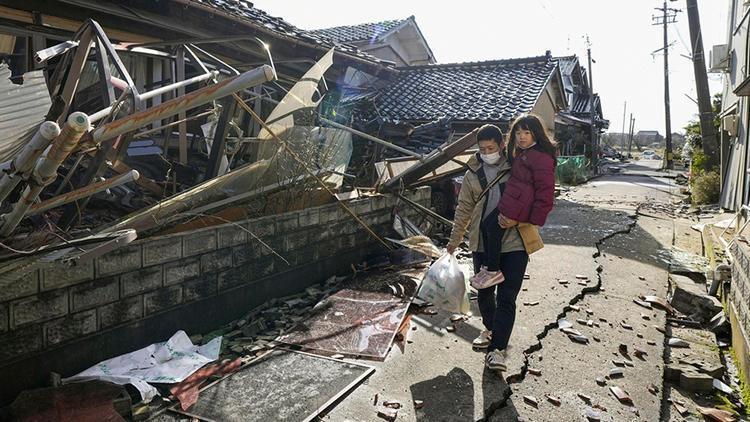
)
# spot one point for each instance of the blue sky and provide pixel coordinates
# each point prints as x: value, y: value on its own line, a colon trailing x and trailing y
x: 621, y: 34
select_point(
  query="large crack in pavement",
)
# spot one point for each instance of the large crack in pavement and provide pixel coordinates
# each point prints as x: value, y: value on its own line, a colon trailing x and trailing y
x: 519, y: 377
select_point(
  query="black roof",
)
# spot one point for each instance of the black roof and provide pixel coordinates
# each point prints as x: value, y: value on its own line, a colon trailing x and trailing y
x: 496, y: 90
x: 361, y: 32
x: 246, y: 11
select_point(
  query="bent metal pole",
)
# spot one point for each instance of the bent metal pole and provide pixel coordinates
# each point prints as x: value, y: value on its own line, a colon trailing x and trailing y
x: 45, y: 171
x: 83, y: 192
x: 196, y: 98
x: 24, y: 162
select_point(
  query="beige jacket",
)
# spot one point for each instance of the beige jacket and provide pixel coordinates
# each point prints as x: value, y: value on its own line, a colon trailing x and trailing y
x: 469, y: 211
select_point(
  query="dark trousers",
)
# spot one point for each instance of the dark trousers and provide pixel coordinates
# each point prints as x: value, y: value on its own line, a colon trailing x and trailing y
x: 497, y: 304
x: 492, y: 239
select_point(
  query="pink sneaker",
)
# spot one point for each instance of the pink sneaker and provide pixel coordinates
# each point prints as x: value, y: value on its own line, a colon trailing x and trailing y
x: 487, y: 279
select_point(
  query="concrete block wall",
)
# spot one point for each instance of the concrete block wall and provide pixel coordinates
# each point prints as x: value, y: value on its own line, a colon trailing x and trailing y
x: 156, y: 285
x: 739, y: 306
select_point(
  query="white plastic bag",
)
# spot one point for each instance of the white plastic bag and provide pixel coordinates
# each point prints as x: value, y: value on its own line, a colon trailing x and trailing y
x: 444, y: 285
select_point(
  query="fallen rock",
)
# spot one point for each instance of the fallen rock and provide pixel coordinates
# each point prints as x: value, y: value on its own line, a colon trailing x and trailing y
x: 719, y: 324
x: 601, y: 381
x: 553, y: 399
x: 695, y: 381
x: 616, y: 373
x: 722, y: 387
x: 678, y: 342
x: 388, y: 413
x: 534, y: 371
x: 717, y: 415
x: 621, y: 395
x: 531, y: 400
x: 393, y: 404
x: 592, y: 415
x: 691, y: 298
x: 418, y: 404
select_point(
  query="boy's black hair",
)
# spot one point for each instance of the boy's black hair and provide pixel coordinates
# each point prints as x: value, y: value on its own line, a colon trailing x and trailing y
x: 490, y: 133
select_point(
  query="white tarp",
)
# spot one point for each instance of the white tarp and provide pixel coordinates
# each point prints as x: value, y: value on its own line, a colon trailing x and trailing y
x: 168, y: 362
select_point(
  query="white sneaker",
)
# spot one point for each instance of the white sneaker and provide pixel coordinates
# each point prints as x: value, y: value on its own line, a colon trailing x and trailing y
x: 483, y: 340
x: 495, y: 360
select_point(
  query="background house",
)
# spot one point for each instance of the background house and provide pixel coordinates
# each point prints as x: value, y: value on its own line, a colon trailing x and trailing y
x: 573, y: 125
x: 399, y: 41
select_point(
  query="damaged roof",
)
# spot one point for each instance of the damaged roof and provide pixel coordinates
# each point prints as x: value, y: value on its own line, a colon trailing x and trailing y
x: 361, y: 32
x: 246, y: 11
x: 472, y: 91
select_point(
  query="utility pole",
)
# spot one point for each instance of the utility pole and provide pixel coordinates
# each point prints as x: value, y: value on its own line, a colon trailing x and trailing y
x: 708, y: 131
x: 630, y: 133
x: 668, y: 16
x: 592, y: 112
x: 622, y: 136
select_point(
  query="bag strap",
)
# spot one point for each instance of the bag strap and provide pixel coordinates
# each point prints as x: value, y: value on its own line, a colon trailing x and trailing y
x: 492, y: 183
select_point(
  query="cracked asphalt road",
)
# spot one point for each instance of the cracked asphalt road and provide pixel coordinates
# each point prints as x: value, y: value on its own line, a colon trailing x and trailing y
x: 593, y: 226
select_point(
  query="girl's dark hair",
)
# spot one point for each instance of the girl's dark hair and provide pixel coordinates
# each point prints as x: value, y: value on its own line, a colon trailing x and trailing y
x: 533, y: 124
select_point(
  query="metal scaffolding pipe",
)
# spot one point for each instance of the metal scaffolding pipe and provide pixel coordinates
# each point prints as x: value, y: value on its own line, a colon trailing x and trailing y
x: 83, y: 192
x: 45, y: 170
x: 164, y: 89
x: 371, y: 138
x: 194, y: 99
x: 24, y: 161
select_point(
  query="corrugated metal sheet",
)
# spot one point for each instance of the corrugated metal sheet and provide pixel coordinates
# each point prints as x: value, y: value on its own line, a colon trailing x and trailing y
x: 22, y: 110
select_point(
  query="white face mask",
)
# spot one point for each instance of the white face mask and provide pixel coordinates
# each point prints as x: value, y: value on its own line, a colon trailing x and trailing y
x: 490, y: 158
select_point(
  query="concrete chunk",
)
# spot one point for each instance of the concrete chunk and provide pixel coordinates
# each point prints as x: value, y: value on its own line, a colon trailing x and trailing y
x: 695, y: 381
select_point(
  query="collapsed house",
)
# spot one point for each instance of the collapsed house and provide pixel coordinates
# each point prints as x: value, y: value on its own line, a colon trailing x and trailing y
x: 166, y: 169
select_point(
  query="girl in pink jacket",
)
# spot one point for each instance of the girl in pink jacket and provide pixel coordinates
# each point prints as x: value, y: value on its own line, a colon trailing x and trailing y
x: 529, y: 193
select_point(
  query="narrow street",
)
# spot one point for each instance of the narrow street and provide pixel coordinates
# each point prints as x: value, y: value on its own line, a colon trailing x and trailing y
x: 594, y: 232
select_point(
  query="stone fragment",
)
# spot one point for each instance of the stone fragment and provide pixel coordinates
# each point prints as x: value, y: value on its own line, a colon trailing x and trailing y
x: 375, y: 400
x: 450, y: 328
x: 661, y: 302
x: 337, y: 356
x: 526, y: 276
x: 621, y: 395
x: 581, y: 277
x: 596, y: 339
x: 616, y: 373
x: 581, y: 321
x: 722, y: 387
x: 680, y: 407
x: 719, y: 323
x: 571, y: 332
x: 388, y: 413
x: 562, y: 281
x: 553, y: 399
x: 393, y: 404
x: 638, y: 352
x: 618, y: 363
x: 642, y: 278
x: 457, y: 318
x: 575, y: 307
x: 589, y: 312
x: 602, y: 319
x: 534, y: 371
x: 717, y: 415
x: 534, y: 303
x: 651, y: 343
x: 678, y: 342
x: 531, y: 400
x: 429, y: 311
x: 579, y: 339
x: 646, y: 317
x: 584, y: 397
x: 590, y: 323
x: 583, y: 282
x: 653, y: 389
x: 418, y: 404
x: 623, y: 348
x: 601, y: 381
x: 695, y: 381
x: 625, y: 325
x: 592, y: 415
x: 563, y: 323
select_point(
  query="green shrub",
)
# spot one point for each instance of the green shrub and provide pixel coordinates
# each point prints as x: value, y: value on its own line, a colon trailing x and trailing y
x: 705, y: 187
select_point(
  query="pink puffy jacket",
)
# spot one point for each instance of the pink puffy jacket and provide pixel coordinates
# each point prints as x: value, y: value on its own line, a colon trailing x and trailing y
x: 530, y: 192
